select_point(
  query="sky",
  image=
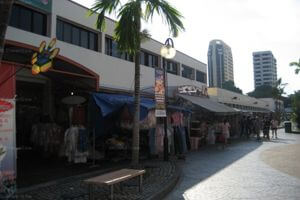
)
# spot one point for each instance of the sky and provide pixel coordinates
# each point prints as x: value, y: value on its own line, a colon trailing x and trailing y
x: 245, y: 25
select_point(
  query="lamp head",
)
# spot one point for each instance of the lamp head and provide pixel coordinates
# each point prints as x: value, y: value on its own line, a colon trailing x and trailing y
x: 167, y: 50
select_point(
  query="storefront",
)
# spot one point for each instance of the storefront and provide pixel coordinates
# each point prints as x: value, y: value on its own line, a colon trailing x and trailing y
x: 114, y: 122
x: 205, y: 112
x: 48, y: 108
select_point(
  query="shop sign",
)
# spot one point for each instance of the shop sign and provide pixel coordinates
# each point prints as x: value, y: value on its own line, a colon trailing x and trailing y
x: 160, y: 106
x: 5, y: 106
x: 42, y: 60
x: 8, y: 171
x: 45, y: 5
x: 193, y: 90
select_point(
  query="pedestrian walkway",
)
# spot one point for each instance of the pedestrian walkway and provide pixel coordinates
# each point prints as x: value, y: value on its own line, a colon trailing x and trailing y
x: 245, y: 170
x: 158, y: 178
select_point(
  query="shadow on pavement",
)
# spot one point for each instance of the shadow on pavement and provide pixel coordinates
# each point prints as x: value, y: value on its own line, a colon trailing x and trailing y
x: 208, y: 161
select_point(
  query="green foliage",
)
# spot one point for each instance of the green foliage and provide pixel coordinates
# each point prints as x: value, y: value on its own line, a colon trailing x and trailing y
x: 296, y: 107
x: 229, y: 85
x: 263, y: 91
x: 128, y: 28
x: 278, y: 90
x: 267, y: 91
x: 297, y: 65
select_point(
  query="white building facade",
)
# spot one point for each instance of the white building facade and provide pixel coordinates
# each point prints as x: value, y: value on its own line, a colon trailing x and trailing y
x: 81, y: 44
x: 264, y: 68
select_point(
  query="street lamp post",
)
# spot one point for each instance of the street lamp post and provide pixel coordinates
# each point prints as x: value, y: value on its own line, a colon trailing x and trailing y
x: 167, y: 51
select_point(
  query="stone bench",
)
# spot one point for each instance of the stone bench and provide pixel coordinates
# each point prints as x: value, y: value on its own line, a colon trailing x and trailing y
x: 112, y: 178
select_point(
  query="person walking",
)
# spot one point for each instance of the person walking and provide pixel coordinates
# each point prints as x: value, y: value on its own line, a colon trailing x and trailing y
x: 243, y: 126
x: 257, y: 127
x: 274, y: 126
x: 225, y: 132
x: 266, y: 128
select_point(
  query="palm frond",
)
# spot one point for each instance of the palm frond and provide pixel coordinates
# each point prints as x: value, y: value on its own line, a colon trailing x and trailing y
x: 170, y: 14
x: 101, y: 7
x: 295, y: 64
x: 127, y: 31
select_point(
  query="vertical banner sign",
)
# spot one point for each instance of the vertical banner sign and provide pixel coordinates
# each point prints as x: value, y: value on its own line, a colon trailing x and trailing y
x: 8, y: 171
x: 160, y: 107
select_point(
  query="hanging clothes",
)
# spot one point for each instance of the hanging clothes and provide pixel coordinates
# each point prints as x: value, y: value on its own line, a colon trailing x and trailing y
x: 152, y: 141
x: 177, y: 141
x: 187, y: 137
x: 76, y: 144
x: 183, y: 137
x: 159, y: 139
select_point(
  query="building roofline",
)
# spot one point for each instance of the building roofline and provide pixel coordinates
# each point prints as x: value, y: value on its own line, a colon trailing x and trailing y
x: 114, y: 21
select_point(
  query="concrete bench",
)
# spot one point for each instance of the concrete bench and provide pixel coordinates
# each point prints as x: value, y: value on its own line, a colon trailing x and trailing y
x: 112, y: 178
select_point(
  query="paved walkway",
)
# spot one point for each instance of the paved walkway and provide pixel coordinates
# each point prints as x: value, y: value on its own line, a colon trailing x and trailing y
x: 159, y: 176
x: 244, y: 171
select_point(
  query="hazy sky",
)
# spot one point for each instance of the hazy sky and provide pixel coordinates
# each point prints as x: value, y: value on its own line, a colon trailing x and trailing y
x: 246, y: 26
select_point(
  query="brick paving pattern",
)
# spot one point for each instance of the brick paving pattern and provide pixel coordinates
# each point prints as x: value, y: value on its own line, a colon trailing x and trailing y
x: 238, y: 173
x: 158, y: 174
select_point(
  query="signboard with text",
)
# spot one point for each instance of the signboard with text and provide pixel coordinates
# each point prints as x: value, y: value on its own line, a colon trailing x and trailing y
x: 8, y: 171
x: 45, y: 5
x: 193, y: 90
x: 160, y: 107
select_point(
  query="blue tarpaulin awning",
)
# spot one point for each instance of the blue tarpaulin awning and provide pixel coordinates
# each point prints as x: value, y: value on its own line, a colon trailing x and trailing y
x: 109, y: 103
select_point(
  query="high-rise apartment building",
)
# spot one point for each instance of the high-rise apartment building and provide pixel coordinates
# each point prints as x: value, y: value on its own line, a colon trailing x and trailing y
x: 220, y: 64
x: 264, y: 68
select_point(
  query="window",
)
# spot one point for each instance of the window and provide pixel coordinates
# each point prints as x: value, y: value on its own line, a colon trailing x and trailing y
x: 38, y: 21
x: 172, y: 67
x: 266, y: 79
x: 200, y: 76
x: 111, y: 49
x: 188, y: 72
x: 67, y: 33
x: 75, y: 35
x: 28, y: 20
x: 148, y: 59
x: 59, y: 30
x: 267, y: 74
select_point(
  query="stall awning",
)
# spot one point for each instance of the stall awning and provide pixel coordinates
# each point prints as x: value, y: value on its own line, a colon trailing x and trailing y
x: 208, y: 104
x: 109, y: 103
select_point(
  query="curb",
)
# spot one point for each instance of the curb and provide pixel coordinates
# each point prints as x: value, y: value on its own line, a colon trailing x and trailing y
x: 169, y: 186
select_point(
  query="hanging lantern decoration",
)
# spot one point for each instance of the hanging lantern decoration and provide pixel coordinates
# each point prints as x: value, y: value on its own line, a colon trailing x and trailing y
x: 42, y: 60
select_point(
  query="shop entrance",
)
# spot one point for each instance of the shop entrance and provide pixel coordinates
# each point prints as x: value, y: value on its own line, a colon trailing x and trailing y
x: 47, y: 105
x: 42, y: 118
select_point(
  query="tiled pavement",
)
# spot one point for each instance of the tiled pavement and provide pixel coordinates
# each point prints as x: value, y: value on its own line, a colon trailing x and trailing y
x: 158, y: 174
x: 238, y: 172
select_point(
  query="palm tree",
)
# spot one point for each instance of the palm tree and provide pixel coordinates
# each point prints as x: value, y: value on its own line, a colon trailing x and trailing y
x: 128, y: 37
x: 5, y: 11
x: 277, y: 93
x: 297, y: 65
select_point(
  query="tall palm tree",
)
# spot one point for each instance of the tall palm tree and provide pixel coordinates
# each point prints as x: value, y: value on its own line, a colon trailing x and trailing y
x: 277, y: 92
x: 5, y: 11
x: 297, y: 65
x: 128, y: 37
